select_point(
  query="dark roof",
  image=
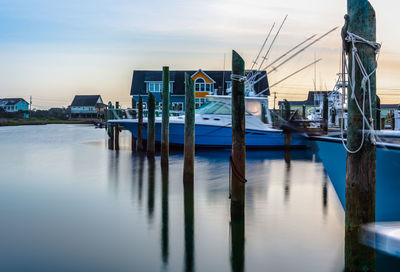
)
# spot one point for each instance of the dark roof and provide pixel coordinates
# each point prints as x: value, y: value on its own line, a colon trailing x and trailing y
x: 12, y: 101
x: 85, y: 100
x: 298, y: 103
x: 312, y: 93
x: 178, y: 77
x: 390, y: 106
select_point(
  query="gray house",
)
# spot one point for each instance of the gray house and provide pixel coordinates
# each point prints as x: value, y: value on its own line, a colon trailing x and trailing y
x: 87, y: 106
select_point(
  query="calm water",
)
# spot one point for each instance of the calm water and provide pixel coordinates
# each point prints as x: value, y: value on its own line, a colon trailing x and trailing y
x: 67, y: 203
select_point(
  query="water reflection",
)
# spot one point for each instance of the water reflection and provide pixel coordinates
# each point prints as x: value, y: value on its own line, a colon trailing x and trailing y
x: 287, y: 175
x: 164, y: 208
x: 140, y: 176
x: 237, y: 244
x: 325, y: 195
x: 188, y: 192
x: 150, y: 187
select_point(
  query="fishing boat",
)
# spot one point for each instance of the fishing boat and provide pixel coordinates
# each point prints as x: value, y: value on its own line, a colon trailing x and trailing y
x: 213, y: 126
x: 331, y: 152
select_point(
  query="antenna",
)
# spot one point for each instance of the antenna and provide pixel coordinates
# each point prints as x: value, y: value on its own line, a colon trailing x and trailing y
x: 262, y: 47
x: 301, y: 50
x: 272, y: 43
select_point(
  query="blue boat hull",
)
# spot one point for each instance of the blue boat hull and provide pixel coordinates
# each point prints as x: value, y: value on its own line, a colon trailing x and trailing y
x: 220, y: 137
x: 333, y: 156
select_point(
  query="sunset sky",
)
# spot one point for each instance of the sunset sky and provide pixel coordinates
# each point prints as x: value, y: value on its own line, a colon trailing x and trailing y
x: 53, y: 50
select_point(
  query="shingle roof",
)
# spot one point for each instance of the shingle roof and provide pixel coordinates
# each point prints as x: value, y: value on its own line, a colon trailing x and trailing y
x: 178, y: 77
x: 12, y: 101
x: 390, y: 106
x: 85, y: 100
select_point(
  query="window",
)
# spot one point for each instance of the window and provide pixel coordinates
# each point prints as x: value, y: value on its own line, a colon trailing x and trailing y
x: 228, y: 84
x: 177, y: 106
x: 156, y: 86
x: 202, y: 86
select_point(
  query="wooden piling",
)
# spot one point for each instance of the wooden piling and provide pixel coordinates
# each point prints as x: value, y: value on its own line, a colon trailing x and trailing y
x: 151, y: 104
x: 111, y: 134
x: 237, y: 244
x: 378, y: 114
x: 189, y: 146
x: 133, y: 143
x: 304, y: 112
x: 238, y: 158
x: 286, y: 116
x: 361, y: 166
x: 165, y: 118
x: 140, y: 125
x: 325, y: 115
x: 188, y: 203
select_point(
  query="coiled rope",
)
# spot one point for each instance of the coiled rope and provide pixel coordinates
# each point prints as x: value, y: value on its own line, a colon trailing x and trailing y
x: 365, y: 87
x: 233, y: 170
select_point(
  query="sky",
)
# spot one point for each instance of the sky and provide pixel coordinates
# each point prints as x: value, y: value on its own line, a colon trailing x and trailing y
x: 53, y: 50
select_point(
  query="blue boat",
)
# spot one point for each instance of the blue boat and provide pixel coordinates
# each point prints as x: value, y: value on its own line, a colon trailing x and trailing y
x: 333, y: 156
x: 213, y: 126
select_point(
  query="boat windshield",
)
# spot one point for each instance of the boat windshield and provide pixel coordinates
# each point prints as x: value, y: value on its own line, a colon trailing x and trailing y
x: 216, y: 107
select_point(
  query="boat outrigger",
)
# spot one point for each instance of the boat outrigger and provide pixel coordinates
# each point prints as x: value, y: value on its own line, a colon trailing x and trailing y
x: 213, y: 126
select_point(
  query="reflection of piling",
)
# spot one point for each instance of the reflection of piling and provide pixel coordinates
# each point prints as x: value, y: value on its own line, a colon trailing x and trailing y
x: 151, y: 104
x: 165, y: 118
x: 110, y: 129
x: 164, y: 208
x: 133, y: 143
x: 140, y: 125
x: 361, y: 166
x: 238, y: 158
x: 188, y: 167
x: 237, y: 244
x: 189, y: 225
x: 116, y: 137
x: 288, y: 159
x: 150, y: 187
x: 140, y: 189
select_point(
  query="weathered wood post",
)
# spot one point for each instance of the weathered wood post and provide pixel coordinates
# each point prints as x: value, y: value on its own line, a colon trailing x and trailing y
x: 151, y: 146
x: 116, y: 137
x: 378, y: 114
x: 133, y: 143
x: 286, y: 116
x: 325, y: 115
x: 165, y: 118
x: 117, y: 111
x: 238, y: 157
x: 304, y: 112
x: 140, y: 125
x: 361, y: 166
x: 111, y: 134
x: 165, y: 214
x: 189, y: 147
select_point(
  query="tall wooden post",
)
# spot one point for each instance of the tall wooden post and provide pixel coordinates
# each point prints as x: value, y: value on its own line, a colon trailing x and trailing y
x: 133, y: 143
x: 378, y: 114
x: 325, y: 114
x: 288, y: 136
x: 304, y: 112
x: 111, y: 134
x: 238, y: 158
x: 165, y: 118
x: 361, y: 166
x: 189, y: 147
x: 151, y: 146
x: 140, y: 125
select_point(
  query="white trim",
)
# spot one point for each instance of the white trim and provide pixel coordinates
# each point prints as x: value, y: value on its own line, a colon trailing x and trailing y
x: 204, y: 74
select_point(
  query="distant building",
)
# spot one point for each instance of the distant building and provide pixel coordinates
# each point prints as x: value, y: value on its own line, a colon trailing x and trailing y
x: 314, y: 99
x: 87, y: 106
x: 14, y: 104
x: 388, y: 109
x: 206, y: 83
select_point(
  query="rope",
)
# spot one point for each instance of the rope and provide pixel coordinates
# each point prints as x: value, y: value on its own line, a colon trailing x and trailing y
x: 365, y: 87
x: 233, y: 170
x: 238, y: 78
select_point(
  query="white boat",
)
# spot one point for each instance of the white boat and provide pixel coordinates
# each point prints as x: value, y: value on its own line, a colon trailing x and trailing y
x: 213, y: 126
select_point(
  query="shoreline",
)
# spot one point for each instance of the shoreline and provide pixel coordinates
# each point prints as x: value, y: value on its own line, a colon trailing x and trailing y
x: 8, y: 122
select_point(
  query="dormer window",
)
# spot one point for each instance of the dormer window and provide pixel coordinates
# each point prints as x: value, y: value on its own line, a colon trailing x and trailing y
x: 202, y: 86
